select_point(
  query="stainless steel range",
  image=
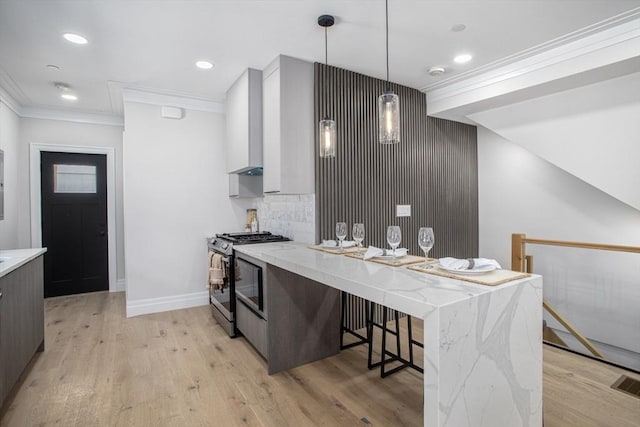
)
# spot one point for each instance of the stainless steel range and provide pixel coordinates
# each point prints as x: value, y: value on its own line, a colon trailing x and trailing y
x: 247, y: 287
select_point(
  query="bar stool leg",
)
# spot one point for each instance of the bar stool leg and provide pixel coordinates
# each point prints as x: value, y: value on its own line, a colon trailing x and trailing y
x: 398, y: 349
x: 369, y: 308
x: 347, y: 328
x: 410, y: 339
x: 383, y: 352
x: 343, y: 302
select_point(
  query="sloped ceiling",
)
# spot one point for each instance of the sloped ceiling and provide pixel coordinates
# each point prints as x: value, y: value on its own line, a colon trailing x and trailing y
x: 590, y: 132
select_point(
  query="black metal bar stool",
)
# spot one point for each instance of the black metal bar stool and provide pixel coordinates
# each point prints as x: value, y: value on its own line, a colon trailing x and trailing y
x: 345, y: 326
x: 393, y: 357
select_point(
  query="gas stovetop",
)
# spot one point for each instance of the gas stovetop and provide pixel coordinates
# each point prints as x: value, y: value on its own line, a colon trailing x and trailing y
x: 248, y: 238
x: 224, y: 242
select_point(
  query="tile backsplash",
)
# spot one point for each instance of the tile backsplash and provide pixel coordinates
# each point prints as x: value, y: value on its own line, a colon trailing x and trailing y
x: 290, y: 215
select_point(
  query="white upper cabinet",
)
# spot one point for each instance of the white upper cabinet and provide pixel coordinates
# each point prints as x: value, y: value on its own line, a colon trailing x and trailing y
x: 244, y: 122
x: 288, y: 127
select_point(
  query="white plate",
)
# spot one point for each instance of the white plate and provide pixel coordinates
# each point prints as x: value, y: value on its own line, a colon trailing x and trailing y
x: 479, y: 270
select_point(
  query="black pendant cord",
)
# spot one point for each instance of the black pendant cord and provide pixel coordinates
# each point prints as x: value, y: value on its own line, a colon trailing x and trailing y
x: 326, y: 70
x: 386, y: 2
x: 326, y: 21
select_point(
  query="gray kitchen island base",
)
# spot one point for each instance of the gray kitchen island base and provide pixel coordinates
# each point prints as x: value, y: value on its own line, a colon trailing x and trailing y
x: 298, y: 321
x: 304, y: 320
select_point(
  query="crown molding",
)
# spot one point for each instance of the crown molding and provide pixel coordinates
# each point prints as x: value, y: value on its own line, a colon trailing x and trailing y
x: 163, y: 99
x: 8, y: 100
x: 115, y: 96
x: 10, y: 89
x: 55, y: 114
x: 614, y: 49
x: 71, y: 116
x: 118, y: 94
x: 604, y: 34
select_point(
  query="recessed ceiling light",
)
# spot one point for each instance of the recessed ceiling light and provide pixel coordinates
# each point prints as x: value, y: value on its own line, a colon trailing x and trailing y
x: 458, y: 27
x: 75, y: 38
x: 205, y: 65
x: 69, y: 97
x: 462, y: 59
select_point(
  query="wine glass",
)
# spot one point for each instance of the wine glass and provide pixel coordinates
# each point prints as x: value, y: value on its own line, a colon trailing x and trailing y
x: 341, y: 233
x: 394, y: 236
x: 358, y: 234
x: 426, y: 239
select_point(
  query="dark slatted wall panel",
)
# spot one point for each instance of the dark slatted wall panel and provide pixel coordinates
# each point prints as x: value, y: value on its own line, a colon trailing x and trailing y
x: 434, y: 169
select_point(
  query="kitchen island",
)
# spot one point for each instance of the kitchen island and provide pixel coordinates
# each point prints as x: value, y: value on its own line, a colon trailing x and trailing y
x: 482, y: 344
x: 21, y: 313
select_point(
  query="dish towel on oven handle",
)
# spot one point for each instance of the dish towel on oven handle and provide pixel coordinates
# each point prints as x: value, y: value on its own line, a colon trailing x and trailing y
x: 216, y: 277
x: 467, y: 263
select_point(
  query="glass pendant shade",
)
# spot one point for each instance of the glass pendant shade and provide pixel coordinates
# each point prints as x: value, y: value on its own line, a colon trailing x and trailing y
x: 327, y: 137
x: 389, y: 118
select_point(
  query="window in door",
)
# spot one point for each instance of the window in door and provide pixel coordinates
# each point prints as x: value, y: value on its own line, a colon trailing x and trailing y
x: 74, y: 179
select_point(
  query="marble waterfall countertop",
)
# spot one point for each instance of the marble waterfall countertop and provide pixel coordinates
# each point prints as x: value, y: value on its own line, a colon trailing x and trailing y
x: 482, y: 344
x: 15, y: 258
x: 409, y: 291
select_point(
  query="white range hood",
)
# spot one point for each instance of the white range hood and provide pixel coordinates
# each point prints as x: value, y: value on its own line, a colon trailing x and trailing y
x: 244, y: 124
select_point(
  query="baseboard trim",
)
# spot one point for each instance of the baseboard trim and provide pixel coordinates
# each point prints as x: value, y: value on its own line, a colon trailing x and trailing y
x: 121, y: 286
x: 160, y: 304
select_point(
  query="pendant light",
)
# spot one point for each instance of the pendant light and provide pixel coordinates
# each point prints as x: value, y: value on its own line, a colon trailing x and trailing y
x: 327, y: 127
x: 388, y: 104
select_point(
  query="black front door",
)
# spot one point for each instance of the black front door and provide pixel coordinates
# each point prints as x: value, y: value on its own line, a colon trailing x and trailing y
x: 74, y: 223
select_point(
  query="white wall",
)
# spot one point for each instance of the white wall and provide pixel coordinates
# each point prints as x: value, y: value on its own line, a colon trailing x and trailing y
x: 57, y: 132
x: 520, y: 192
x: 175, y: 195
x: 592, y: 132
x: 10, y: 144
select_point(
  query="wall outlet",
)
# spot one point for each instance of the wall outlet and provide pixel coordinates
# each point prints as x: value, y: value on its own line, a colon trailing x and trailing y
x: 403, y: 210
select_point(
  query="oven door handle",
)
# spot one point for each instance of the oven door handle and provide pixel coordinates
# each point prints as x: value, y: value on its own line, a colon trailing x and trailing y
x: 260, y: 291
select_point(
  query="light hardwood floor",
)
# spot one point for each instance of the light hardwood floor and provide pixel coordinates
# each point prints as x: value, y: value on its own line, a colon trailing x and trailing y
x: 180, y: 369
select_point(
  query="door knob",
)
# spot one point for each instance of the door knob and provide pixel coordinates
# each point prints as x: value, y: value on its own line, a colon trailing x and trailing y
x: 102, y: 233
x: 0, y: 293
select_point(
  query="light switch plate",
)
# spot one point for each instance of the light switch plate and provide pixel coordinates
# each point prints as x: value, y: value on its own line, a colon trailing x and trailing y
x: 403, y: 210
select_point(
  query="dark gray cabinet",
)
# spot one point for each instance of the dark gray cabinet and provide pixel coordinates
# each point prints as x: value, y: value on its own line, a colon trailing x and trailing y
x: 21, y: 321
x: 301, y: 319
x: 304, y: 320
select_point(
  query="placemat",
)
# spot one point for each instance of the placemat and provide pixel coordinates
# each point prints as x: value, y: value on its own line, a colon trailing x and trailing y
x: 492, y: 278
x: 398, y: 262
x: 336, y: 251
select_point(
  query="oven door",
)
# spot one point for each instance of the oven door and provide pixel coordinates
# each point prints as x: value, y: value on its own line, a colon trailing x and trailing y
x: 249, y: 288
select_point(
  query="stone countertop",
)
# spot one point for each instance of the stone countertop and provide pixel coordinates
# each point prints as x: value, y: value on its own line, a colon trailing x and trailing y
x: 409, y: 291
x: 16, y: 258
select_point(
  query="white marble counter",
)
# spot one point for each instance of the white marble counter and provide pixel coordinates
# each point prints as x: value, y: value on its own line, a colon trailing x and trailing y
x: 482, y: 344
x: 15, y: 258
